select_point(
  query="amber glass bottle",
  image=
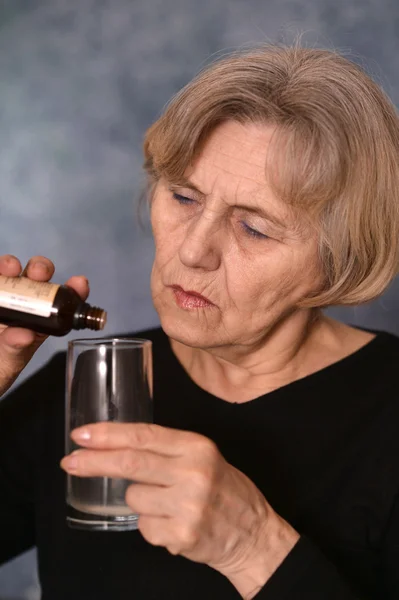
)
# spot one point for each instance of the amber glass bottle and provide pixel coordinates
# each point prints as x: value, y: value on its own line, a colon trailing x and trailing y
x: 46, y: 307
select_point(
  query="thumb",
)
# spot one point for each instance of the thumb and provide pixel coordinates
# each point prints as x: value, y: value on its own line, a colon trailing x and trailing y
x: 17, y: 346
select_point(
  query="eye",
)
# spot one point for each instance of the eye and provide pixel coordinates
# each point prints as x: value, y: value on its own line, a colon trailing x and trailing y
x: 182, y: 199
x: 253, y: 232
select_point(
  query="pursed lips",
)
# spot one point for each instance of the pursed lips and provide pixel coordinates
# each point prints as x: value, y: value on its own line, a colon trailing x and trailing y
x: 189, y: 298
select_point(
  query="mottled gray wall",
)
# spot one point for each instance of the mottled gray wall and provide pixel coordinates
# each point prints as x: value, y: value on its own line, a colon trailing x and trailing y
x: 80, y: 80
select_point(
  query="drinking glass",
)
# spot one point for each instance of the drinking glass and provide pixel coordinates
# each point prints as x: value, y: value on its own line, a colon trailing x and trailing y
x: 107, y: 380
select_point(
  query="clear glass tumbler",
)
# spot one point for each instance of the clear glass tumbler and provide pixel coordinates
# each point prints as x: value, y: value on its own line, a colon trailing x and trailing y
x: 107, y: 380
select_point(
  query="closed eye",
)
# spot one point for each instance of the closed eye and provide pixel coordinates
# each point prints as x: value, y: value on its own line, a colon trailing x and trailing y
x: 182, y: 199
x: 250, y: 231
x: 253, y: 232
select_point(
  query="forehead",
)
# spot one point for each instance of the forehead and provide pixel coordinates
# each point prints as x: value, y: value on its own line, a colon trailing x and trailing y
x: 233, y: 166
x: 234, y: 156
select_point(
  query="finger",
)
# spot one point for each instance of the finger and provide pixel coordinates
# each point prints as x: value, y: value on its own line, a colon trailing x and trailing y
x: 155, y: 530
x: 15, y: 340
x: 80, y: 284
x: 141, y: 465
x: 140, y: 436
x: 177, y: 537
x: 39, y: 268
x: 10, y: 265
x: 151, y: 500
x: 17, y: 346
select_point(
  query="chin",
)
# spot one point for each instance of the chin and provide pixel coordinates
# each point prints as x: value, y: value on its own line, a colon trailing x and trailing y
x: 185, y: 333
x: 188, y: 331
x: 191, y: 328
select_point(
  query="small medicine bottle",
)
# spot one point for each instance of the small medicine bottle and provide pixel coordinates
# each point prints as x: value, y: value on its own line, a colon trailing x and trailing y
x: 46, y: 308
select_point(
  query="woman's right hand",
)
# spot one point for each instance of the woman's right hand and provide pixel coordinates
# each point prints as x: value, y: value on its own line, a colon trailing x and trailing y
x: 18, y: 345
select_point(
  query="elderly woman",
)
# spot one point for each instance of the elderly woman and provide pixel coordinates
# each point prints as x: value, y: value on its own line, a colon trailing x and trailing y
x: 272, y: 469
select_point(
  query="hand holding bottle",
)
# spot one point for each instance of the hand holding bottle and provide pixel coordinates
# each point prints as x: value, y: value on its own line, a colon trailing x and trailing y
x: 17, y: 344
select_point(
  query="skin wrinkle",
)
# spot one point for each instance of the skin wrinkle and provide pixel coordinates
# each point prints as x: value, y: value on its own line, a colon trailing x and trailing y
x: 287, y: 225
x: 255, y: 338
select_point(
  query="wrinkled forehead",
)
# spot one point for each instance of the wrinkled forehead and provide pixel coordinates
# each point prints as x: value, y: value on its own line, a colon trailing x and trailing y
x: 234, y: 156
x: 233, y: 166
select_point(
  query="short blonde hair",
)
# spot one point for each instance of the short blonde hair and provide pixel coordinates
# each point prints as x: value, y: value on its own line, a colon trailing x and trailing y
x: 337, y: 159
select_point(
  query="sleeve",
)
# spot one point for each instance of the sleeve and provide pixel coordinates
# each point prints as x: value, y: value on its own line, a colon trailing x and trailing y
x: 389, y: 556
x: 306, y: 574
x: 24, y: 414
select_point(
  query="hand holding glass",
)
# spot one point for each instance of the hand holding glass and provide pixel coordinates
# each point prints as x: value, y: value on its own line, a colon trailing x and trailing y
x: 107, y: 380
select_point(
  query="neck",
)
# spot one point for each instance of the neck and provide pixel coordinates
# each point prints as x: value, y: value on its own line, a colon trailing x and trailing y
x: 304, y: 343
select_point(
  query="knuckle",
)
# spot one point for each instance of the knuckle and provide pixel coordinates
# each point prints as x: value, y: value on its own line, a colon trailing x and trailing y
x: 174, y: 549
x: 129, y: 464
x: 188, y: 536
x: 201, y: 479
x: 194, y: 512
x: 143, y: 434
x: 205, y: 447
x: 152, y: 534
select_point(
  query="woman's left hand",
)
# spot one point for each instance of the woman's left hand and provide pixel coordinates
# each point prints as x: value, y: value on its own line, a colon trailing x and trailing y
x: 189, y: 498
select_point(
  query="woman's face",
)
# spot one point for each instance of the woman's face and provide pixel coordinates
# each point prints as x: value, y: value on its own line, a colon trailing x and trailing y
x: 223, y: 235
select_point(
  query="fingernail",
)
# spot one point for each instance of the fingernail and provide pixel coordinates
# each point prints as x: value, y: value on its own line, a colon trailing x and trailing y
x: 10, y: 258
x: 84, y: 278
x: 71, y: 462
x: 39, y: 263
x: 81, y: 434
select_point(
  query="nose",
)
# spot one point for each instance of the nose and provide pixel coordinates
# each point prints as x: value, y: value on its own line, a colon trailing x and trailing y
x: 200, y: 248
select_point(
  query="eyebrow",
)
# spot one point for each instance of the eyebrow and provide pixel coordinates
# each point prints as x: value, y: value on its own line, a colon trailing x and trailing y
x: 185, y: 183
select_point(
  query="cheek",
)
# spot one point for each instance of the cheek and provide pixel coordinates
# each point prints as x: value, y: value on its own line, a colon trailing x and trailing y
x: 275, y: 278
x: 166, y: 247
x: 167, y: 244
x: 166, y: 229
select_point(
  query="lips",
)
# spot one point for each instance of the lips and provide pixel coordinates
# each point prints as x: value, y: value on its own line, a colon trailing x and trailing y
x: 188, y: 299
x: 191, y: 293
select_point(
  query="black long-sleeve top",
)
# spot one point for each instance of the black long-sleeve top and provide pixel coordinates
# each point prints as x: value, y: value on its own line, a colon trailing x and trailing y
x: 324, y: 451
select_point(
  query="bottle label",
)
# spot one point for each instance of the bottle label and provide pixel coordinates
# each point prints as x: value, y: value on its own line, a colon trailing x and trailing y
x: 28, y: 296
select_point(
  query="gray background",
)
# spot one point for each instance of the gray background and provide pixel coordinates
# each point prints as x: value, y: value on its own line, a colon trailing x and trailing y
x: 80, y: 80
